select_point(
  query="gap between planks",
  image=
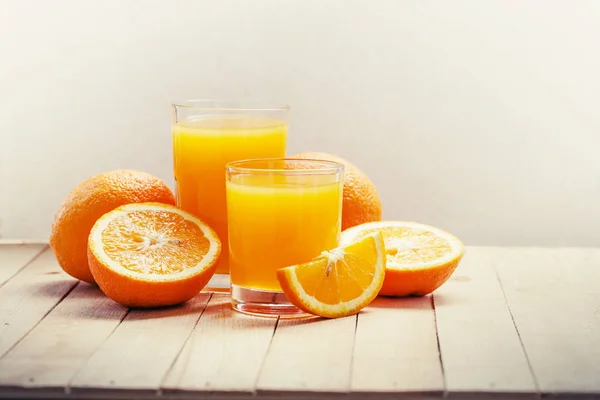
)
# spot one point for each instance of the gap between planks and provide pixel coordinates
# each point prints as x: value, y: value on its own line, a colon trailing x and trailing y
x: 555, y: 302
x: 307, y: 355
x: 396, y: 349
x: 224, y: 353
x: 27, y: 297
x: 532, y: 278
x: 479, y: 343
x: 95, y: 367
x: 140, y: 351
x: 52, y: 353
x: 15, y: 257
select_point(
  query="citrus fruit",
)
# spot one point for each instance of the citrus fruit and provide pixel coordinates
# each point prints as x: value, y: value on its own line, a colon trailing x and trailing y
x: 152, y: 254
x: 361, y: 201
x: 89, y: 201
x: 339, y: 282
x: 420, y: 258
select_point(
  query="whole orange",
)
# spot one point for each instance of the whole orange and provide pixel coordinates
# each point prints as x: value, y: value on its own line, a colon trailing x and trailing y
x: 90, y: 200
x: 361, y: 200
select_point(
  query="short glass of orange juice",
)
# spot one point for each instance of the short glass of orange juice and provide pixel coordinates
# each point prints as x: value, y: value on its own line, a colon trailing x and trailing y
x: 207, y: 134
x: 281, y: 212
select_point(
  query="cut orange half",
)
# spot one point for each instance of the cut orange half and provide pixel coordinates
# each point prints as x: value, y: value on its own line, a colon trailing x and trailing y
x: 339, y: 282
x: 420, y: 258
x: 151, y: 254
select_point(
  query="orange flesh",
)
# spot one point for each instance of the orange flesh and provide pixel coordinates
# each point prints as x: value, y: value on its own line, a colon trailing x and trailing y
x: 154, y: 242
x: 342, y: 280
x: 410, y: 245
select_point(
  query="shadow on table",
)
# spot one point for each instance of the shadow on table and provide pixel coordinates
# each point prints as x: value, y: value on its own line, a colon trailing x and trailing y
x: 441, y: 300
x: 54, y: 289
x: 421, y: 302
x: 220, y: 308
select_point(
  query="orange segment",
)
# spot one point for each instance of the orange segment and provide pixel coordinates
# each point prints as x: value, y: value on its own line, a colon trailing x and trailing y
x: 338, y: 282
x: 150, y: 254
x: 419, y: 258
x: 151, y: 242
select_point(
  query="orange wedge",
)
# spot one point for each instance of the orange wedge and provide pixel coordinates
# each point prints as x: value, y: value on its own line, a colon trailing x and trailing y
x: 339, y: 282
x: 151, y: 254
x: 420, y: 258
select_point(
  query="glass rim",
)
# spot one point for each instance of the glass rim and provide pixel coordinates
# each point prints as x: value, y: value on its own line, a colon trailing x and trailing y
x: 330, y: 167
x: 229, y: 105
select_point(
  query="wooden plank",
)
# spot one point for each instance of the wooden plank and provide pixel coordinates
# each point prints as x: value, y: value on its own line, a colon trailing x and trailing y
x: 29, y: 296
x: 224, y: 353
x: 12, y: 242
x: 140, y: 352
x: 56, y: 349
x: 481, y: 349
x: 13, y: 257
x: 396, y: 348
x: 554, y: 297
x: 309, y: 355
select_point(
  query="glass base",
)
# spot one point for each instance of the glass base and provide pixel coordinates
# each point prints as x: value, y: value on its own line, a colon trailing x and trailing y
x: 263, y: 303
x: 218, y: 283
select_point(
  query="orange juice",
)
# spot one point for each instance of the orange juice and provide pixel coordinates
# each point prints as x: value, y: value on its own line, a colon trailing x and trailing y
x: 202, y: 146
x: 277, y: 221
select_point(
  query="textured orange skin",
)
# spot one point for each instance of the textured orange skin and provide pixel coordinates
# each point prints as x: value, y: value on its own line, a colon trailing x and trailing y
x: 361, y: 200
x: 90, y: 200
x: 419, y: 282
x: 136, y: 293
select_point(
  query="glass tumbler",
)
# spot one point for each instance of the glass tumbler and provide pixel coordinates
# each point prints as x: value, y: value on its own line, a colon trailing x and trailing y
x: 208, y: 134
x: 281, y: 212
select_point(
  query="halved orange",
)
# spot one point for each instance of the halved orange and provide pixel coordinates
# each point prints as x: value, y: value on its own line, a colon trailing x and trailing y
x: 420, y: 258
x: 339, y: 282
x: 151, y: 254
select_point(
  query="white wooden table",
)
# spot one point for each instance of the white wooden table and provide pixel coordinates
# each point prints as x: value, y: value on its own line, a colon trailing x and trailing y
x: 512, y: 322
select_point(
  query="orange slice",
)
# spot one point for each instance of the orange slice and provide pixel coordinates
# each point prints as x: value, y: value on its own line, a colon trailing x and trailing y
x: 338, y: 282
x: 151, y: 254
x: 420, y: 258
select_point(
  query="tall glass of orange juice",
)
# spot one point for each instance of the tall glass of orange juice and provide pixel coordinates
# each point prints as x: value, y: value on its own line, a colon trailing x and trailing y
x: 281, y: 212
x: 208, y: 134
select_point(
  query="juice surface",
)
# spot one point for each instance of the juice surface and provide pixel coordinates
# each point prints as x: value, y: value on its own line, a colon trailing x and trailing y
x: 201, y: 148
x: 279, y: 221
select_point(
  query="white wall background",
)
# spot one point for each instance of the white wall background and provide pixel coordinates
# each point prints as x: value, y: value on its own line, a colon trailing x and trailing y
x: 481, y: 117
